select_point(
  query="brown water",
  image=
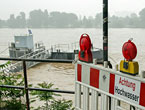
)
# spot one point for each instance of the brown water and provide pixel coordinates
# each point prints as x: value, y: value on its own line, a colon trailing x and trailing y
x: 57, y: 73
x: 62, y: 75
x: 64, y: 36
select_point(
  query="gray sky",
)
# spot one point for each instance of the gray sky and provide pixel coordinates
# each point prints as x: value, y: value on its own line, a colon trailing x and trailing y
x: 80, y: 7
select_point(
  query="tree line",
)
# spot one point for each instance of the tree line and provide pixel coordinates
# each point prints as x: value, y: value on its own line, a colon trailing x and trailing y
x: 43, y: 19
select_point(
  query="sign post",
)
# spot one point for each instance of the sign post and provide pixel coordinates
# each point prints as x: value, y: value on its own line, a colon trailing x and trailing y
x: 105, y: 30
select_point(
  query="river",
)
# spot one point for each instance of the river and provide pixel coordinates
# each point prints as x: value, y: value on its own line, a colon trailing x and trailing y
x: 62, y: 75
x: 64, y: 36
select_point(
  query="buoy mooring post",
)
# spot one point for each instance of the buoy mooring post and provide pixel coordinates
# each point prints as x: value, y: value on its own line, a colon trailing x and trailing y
x: 105, y: 30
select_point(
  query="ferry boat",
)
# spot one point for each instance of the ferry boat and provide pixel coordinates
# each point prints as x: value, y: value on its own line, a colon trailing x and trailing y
x: 24, y: 47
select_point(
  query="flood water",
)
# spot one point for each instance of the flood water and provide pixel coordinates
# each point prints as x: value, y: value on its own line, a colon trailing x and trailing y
x: 62, y: 75
x: 67, y: 36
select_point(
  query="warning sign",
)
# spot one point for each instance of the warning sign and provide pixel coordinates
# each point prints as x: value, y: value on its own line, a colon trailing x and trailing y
x: 123, y: 87
x: 127, y: 89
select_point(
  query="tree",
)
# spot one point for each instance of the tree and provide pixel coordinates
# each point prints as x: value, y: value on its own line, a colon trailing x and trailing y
x: 45, y: 19
x: 142, y: 18
x: 18, y: 22
x: 98, y: 20
x: 11, y: 21
x: 86, y: 23
x: 63, y: 20
x: 44, y: 95
x: 116, y: 22
x: 1, y: 24
x: 134, y: 20
x: 72, y: 20
x: 35, y: 19
x: 23, y: 20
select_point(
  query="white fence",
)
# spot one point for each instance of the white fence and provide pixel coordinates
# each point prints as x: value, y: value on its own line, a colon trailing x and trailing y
x: 95, y: 85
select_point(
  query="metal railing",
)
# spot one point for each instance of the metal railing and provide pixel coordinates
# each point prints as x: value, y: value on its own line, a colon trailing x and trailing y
x: 26, y: 88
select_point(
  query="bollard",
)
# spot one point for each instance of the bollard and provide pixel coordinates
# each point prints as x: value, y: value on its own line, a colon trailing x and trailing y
x: 142, y: 75
x: 75, y: 59
x: 95, y: 61
x: 116, y: 67
x: 106, y: 64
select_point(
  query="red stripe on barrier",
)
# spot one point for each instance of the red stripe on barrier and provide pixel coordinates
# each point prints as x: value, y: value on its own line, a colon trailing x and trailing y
x: 94, y: 77
x: 142, y: 94
x: 112, y: 83
x: 79, y: 71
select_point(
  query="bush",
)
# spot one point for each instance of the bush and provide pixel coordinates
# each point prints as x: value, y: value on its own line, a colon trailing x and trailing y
x: 61, y: 105
x: 10, y: 99
x: 48, y: 98
x: 44, y: 95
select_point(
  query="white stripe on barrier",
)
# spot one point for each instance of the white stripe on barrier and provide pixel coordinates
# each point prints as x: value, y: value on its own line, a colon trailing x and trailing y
x: 104, y: 102
x: 108, y: 94
x: 85, y: 98
x: 113, y: 104
x: 78, y: 95
x: 115, y: 84
x: 94, y: 100
x: 104, y: 79
x: 85, y: 75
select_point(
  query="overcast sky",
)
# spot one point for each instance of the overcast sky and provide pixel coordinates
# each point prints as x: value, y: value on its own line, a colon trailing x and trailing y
x: 80, y: 7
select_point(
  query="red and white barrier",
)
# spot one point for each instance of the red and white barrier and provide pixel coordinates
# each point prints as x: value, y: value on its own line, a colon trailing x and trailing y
x: 109, y: 82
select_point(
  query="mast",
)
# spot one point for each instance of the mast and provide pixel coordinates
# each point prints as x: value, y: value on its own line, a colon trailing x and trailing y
x: 105, y: 30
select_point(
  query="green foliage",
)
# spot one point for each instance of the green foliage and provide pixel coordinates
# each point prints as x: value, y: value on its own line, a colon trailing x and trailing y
x: 17, y: 22
x: 43, y: 19
x: 61, y: 105
x: 14, y: 105
x: 44, y: 95
x: 10, y: 99
x: 50, y: 102
x: 142, y: 18
x: 5, y: 65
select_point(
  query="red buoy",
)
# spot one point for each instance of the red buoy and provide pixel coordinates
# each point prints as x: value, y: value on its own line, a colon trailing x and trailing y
x: 129, y: 50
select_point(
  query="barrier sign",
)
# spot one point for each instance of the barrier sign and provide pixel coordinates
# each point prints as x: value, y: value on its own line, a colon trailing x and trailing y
x: 115, y: 83
x: 127, y: 89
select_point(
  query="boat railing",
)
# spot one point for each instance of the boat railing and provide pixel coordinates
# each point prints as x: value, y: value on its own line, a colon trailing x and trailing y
x: 15, y: 67
x: 65, y: 47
